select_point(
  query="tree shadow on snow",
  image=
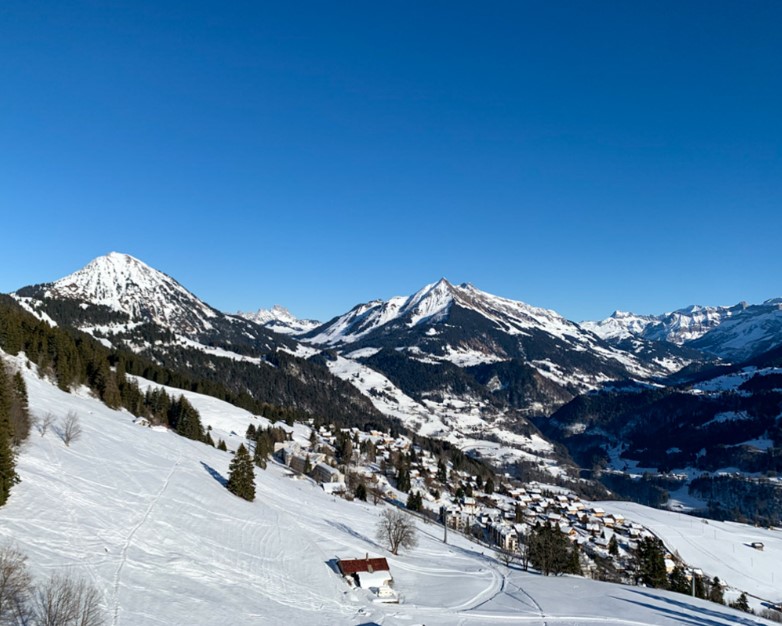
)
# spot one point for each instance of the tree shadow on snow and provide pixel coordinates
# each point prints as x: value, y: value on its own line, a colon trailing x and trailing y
x: 215, y: 474
x: 700, y: 616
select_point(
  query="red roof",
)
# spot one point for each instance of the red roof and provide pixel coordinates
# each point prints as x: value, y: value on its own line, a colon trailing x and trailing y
x: 352, y: 566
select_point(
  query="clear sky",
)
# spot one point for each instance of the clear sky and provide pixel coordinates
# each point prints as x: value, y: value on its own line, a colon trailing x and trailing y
x: 582, y: 156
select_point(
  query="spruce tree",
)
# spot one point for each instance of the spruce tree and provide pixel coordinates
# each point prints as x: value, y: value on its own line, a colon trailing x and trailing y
x: 241, y: 475
x: 678, y: 581
x: 613, y: 546
x: 651, y: 563
x: 715, y: 592
x: 361, y: 492
x: 742, y: 604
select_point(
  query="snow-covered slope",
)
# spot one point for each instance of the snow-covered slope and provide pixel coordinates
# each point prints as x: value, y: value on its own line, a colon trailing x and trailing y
x: 142, y: 514
x: 280, y: 320
x: 721, y: 549
x: 736, y: 333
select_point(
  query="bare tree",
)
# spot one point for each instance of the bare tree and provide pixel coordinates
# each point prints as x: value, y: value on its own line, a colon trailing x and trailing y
x: 508, y: 557
x: 71, y: 428
x: 15, y: 587
x: 45, y: 423
x: 63, y: 600
x: 397, y: 530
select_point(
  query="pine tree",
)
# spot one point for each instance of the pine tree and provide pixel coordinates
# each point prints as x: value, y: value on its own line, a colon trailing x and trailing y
x: 361, y: 492
x: 185, y: 419
x: 442, y: 472
x: 403, y: 479
x: 715, y: 592
x: 742, y: 604
x: 613, y: 546
x: 221, y: 446
x: 549, y: 550
x: 241, y: 476
x: 678, y: 582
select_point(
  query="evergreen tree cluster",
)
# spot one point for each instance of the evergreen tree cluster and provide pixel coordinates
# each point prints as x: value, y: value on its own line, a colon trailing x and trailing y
x: 264, y: 440
x: 651, y: 563
x: 415, y: 501
x: 14, y: 427
x: 549, y: 551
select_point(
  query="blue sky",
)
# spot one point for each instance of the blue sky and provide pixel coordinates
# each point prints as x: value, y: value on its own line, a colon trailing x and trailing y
x: 582, y: 156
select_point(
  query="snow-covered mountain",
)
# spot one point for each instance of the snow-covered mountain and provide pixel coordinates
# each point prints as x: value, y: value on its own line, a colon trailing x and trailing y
x: 125, y: 284
x: 465, y: 326
x: 457, y: 363
x: 736, y: 332
x: 280, y: 320
x: 115, y: 293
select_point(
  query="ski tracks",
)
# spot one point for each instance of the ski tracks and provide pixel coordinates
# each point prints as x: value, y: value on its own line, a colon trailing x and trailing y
x: 132, y: 533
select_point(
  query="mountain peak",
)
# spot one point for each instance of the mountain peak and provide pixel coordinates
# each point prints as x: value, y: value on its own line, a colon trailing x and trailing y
x: 280, y: 320
x: 123, y: 283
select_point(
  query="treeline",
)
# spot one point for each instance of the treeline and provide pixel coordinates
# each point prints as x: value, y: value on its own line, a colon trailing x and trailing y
x: 73, y: 358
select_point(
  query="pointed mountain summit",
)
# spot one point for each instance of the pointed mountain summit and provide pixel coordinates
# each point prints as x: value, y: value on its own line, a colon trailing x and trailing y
x: 114, y: 294
x: 280, y: 320
x: 467, y: 327
x: 122, y: 283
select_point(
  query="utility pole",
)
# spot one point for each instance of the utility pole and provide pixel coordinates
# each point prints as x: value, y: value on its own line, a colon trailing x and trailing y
x: 445, y: 525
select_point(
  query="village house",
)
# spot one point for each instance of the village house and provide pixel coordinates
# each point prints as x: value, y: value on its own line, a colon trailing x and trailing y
x: 324, y: 473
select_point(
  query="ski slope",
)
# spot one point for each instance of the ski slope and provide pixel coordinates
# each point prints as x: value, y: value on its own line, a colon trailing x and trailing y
x: 143, y: 514
x: 720, y: 549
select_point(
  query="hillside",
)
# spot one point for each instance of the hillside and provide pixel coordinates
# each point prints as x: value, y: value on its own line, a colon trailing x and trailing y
x: 142, y: 513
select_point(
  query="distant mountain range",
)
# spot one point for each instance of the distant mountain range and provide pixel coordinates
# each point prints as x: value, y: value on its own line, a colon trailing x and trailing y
x: 451, y: 361
x: 734, y: 333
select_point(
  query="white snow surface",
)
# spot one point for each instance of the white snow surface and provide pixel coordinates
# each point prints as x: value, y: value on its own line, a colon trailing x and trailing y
x: 463, y: 422
x: 280, y: 320
x: 142, y: 514
x: 432, y: 302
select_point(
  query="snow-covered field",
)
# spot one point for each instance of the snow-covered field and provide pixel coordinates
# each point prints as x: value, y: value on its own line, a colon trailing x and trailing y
x: 719, y: 548
x: 143, y: 514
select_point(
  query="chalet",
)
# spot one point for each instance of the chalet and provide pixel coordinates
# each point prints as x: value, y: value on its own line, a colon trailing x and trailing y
x: 757, y: 545
x: 371, y: 574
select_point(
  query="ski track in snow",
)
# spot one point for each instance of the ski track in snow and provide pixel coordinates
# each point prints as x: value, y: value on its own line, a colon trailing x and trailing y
x: 129, y: 539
